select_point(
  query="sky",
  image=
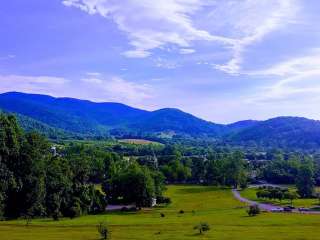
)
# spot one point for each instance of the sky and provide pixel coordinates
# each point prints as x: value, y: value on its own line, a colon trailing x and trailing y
x: 221, y: 60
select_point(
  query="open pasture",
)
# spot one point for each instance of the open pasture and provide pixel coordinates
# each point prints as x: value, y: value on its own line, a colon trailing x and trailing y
x: 226, y: 216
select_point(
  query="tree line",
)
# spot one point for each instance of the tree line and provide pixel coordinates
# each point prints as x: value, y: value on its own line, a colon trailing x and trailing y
x: 298, y: 169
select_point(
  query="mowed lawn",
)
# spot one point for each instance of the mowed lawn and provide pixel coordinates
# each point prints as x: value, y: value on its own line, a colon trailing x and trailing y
x: 226, y: 216
x: 250, y: 193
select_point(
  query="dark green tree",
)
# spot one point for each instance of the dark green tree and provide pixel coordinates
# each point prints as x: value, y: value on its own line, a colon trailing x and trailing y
x: 305, y: 179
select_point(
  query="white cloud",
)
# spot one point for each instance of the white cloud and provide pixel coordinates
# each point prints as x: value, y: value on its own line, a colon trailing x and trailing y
x: 151, y: 25
x: 164, y: 63
x: 9, y: 56
x: 31, y: 84
x: 91, y: 87
x: 92, y: 80
x: 231, y: 24
x: 187, y: 51
x: 297, y: 78
x: 295, y: 66
x: 95, y: 74
x: 138, y: 53
x: 118, y: 90
x: 20, y: 82
x: 249, y: 21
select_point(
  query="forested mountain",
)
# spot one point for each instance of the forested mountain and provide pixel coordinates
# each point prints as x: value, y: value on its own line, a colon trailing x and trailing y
x: 63, y: 117
x: 78, y: 116
x: 170, y: 119
x: 292, y: 132
x: 85, y: 117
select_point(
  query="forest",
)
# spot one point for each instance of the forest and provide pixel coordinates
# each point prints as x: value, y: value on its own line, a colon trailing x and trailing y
x: 39, y: 178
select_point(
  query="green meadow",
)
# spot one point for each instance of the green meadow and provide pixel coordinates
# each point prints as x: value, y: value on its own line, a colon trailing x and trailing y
x: 226, y: 216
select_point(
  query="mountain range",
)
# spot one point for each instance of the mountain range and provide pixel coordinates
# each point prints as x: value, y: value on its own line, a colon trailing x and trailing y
x: 58, y: 117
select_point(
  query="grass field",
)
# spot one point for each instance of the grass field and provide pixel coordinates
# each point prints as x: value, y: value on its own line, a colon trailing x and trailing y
x: 250, y: 193
x: 139, y: 141
x: 226, y: 216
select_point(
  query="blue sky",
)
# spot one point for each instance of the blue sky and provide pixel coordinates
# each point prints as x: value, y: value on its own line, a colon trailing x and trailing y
x: 221, y: 60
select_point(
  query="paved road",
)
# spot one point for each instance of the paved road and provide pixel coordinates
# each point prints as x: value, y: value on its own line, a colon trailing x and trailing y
x: 266, y: 206
x: 263, y: 206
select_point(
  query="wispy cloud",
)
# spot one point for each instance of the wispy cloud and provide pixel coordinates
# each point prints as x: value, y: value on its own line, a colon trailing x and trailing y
x: 296, y: 77
x: 233, y: 25
x: 33, y: 84
x: 95, y: 74
x: 187, y: 51
x: 118, y: 90
x: 294, y: 66
x: 165, y: 63
x: 157, y: 23
x: 94, y: 87
x: 249, y: 22
x: 9, y: 56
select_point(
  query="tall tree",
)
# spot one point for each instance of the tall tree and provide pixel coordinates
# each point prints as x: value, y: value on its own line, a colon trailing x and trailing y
x: 305, y: 178
x: 235, y: 170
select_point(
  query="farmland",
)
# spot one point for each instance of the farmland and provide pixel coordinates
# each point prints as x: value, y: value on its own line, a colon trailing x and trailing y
x: 138, y: 141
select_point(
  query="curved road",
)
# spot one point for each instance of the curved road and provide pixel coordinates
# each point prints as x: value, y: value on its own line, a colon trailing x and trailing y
x: 266, y: 206
x: 263, y: 206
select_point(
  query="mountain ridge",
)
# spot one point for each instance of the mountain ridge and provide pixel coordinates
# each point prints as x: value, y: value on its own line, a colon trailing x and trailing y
x: 87, y: 118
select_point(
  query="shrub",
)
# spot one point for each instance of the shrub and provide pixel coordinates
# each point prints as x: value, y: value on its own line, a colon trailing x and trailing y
x: 56, y: 215
x: 74, y: 211
x: 164, y: 200
x: 202, y: 227
x: 28, y: 219
x: 104, y: 231
x: 253, y: 210
x: 133, y: 209
x: 124, y: 209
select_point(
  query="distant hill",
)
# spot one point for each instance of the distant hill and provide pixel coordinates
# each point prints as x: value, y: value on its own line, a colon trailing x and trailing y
x: 73, y: 115
x: 65, y: 117
x: 241, y: 125
x: 85, y: 117
x: 282, y: 132
x: 170, y: 119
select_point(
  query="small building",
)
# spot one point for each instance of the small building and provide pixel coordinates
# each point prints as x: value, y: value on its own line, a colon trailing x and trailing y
x: 54, y: 150
x: 153, y: 202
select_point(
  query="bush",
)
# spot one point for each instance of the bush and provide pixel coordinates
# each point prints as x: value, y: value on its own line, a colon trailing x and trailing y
x: 124, y: 209
x: 164, y: 200
x: 74, y: 211
x: 56, y: 215
x: 253, y: 210
x: 130, y: 209
x: 202, y: 227
x: 133, y: 209
x: 104, y: 231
